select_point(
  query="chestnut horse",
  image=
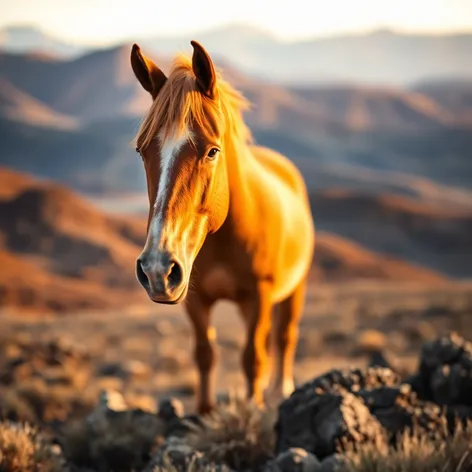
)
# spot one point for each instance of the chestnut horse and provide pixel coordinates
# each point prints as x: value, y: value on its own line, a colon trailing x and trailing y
x: 228, y: 219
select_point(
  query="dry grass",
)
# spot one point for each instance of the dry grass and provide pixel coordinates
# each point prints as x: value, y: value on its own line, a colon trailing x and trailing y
x: 415, y: 453
x: 239, y: 434
x: 22, y: 449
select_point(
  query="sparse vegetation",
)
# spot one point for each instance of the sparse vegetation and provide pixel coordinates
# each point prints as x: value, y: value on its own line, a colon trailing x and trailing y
x: 239, y: 434
x: 53, y: 386
x: 415, y: 453
x: 23, y: 449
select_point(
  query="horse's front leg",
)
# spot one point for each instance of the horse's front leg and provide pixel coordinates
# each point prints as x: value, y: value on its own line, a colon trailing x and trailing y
x: 204, y: 354
x: 257, y: 314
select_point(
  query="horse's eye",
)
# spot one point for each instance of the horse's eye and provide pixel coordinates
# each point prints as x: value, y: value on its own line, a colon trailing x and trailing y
x: 212, y: 153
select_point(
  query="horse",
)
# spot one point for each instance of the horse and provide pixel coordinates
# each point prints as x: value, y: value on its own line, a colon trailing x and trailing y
x: 228, y: 219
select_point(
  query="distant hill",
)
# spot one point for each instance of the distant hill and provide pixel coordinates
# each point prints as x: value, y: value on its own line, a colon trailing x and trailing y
x: 378, y: 108
x: 58, y: 252
x: 97, y: 86
x: 454, y: 96
x: 17, y: 106
x: 30, y: 39
x: 425, y: 234
x: 94, y: 158
x: 340, y: 260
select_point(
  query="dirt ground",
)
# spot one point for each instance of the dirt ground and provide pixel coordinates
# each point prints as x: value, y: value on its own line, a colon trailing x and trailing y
x: 145, y: 351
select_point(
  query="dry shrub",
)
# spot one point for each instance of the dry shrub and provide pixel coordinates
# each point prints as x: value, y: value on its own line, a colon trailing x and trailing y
x: 239, y: 434
x: 33, y: 402
x: 22, y: 449
x: 415, y: 453
x: 120, y: 442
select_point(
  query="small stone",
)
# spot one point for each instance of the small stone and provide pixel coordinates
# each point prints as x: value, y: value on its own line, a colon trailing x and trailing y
x: 113, y: 400
x: 181, y: 458
x: 293, y: 460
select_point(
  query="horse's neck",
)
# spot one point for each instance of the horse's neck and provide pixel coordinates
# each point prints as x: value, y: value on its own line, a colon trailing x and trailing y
x: 240, y: 161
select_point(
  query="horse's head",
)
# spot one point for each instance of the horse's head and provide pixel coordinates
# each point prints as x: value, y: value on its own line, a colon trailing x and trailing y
x: 182, y: 145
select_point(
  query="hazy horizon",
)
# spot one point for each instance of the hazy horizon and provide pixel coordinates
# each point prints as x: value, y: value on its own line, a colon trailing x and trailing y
x: 104, y: 22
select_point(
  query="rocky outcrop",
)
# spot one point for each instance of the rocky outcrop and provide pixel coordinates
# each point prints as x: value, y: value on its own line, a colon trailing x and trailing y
x: 349, y: 408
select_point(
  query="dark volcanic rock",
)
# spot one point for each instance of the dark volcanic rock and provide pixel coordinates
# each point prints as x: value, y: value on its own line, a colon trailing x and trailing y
x: 445, y: 376
x: 446, y: 366
x: 398, y: 408
x: 446, y: 371
x: 317, y: 422
x: 352, y: 407
x: 352, y: 380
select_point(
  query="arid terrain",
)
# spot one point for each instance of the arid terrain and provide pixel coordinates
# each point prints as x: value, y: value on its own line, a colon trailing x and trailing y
x: 54, y: 369
x: 108, y: 377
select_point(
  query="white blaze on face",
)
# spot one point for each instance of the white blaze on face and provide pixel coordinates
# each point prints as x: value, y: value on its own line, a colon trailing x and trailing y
x: 169, y: 151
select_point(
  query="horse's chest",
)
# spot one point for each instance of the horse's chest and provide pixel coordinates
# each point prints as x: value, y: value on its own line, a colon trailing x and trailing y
x: 219, y: 283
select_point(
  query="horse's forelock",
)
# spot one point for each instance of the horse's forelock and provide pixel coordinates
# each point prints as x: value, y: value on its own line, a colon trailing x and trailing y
x: 179, y: 104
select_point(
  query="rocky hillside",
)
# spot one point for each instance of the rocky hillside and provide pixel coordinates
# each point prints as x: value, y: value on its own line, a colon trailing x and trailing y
x: 339, y: 259
x: 429, y: 235
x: 59, y: 253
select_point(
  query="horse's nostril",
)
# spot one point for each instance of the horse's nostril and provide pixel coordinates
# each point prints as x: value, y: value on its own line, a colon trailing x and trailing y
x: 141, y: 275
x: 175, y: 275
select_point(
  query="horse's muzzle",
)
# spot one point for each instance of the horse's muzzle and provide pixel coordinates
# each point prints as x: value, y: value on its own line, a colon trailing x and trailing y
x: 161, y: 276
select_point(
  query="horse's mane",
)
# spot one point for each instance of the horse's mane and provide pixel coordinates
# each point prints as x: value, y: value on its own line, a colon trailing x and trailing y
x: 179, y: 103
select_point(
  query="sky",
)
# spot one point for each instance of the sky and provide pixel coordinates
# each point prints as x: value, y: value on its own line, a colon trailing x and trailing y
x: 108, y: 21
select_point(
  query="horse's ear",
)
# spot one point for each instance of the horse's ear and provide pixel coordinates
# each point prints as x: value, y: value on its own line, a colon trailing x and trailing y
x: 149, y: 75
x: 203, y: 69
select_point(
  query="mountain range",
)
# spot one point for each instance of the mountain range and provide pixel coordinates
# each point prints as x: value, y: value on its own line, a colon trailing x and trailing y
x: 381, y: 56
x: 74, y: 119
